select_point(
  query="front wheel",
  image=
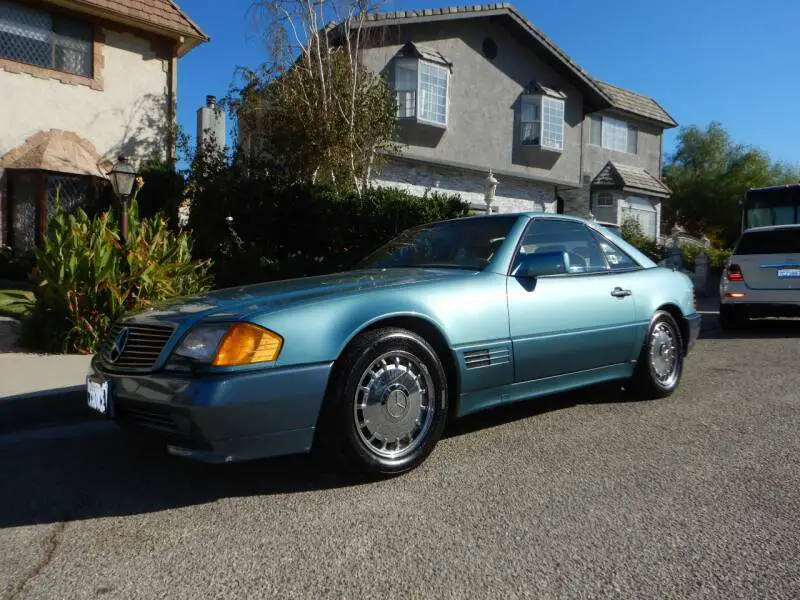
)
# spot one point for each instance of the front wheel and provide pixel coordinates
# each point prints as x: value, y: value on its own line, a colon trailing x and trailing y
x: 388, y: 404
x: 660, y: 366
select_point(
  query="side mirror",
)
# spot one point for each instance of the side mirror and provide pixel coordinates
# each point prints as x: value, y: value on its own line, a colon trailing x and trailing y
x: 530, y: 266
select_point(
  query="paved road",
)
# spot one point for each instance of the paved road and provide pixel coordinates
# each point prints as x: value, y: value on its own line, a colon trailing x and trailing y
x: 580, y: 496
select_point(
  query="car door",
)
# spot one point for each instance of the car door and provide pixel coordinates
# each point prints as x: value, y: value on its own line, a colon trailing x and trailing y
x: 579, y: 319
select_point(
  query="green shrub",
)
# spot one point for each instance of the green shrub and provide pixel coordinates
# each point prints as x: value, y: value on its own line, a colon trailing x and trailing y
x: 632, y: 233
x: 86, y: 278
x: 301, y: 230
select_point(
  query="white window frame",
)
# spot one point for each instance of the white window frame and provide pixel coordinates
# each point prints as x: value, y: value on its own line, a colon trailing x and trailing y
x: 416, y: 62
x: 605, y: 135
x: 540, y: 124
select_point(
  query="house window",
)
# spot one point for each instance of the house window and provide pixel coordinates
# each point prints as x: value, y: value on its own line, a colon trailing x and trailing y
x: 421, y: 89
x: 39, y: 38
x: 603, y: 199
x: 614, y: 134
x: 542, y: 122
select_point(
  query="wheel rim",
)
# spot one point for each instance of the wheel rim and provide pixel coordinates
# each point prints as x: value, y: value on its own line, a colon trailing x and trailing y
x: 394, y: 405
x: 664, y: 358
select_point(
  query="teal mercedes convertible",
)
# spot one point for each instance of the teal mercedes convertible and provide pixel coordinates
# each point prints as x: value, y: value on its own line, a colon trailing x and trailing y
x: 367, y: 365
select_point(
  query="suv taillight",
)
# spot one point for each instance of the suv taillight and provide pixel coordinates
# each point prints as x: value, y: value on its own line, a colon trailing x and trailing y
x: 734, y: 273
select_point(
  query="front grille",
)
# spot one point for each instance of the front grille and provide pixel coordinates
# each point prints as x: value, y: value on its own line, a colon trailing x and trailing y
x: 144, y: 346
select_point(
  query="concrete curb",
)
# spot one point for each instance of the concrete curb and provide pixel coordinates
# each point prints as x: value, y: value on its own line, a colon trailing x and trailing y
x: 44, y: 409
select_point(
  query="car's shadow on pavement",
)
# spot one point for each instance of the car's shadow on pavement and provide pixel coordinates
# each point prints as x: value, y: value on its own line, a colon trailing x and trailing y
x: 112, y: 473
x: 759, y: 329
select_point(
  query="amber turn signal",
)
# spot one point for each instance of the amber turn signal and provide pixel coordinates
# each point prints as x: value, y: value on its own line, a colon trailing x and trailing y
x: 246, y: 344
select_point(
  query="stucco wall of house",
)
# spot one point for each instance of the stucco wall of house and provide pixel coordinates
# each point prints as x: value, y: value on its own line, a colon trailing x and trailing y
x: 511, y: 195
x: 129, y: 115
x: 484, y: 100
x: 648, y: 155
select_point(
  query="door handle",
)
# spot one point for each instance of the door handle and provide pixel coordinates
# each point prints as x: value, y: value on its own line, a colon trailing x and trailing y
x: 618, y: 292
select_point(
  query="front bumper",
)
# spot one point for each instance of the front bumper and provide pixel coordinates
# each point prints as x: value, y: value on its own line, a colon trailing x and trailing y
x: 694, y: 323
x: 225, y: 417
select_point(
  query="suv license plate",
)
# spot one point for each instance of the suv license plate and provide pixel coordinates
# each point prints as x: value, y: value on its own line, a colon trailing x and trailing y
x: 789, y: 273
x: 97, y: 394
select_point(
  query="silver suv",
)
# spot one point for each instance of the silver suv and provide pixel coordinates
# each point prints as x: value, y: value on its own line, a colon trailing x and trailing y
x: 762, y: 278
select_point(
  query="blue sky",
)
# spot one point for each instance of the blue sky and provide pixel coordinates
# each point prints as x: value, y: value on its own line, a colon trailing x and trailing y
x: 734, y: 61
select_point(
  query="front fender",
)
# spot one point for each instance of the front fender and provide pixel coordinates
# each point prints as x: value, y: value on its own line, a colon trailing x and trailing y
x: 464, y: 310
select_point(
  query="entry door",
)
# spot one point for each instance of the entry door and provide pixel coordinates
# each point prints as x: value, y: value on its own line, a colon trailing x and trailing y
x: 580, y: 320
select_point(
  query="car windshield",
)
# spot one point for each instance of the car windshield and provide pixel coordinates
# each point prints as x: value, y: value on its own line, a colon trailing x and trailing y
x: 778, y: 241
x: 457, y: 244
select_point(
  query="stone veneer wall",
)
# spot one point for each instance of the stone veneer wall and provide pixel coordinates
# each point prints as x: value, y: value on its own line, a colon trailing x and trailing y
x: 512, y: 195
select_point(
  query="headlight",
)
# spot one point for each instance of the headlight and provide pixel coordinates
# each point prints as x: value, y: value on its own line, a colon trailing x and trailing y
x: 201, y: 343
x: 230, y: 345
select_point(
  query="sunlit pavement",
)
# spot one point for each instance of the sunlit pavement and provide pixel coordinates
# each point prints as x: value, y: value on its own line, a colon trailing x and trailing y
x: 580, y: 496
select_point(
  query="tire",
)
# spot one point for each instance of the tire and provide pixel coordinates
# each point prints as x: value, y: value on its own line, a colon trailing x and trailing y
x: 657, y: 375
x: 732, y: 317
x: 371, y: 424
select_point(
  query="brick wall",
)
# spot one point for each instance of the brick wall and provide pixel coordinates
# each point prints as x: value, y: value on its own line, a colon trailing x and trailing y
x: 511, y: 196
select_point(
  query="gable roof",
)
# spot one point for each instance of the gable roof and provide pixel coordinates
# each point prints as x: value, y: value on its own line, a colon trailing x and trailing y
x: 636, y: 104
x: 617, y: 175
x: 160, y: 16
x: 551, y: 52
x: 602, y: 95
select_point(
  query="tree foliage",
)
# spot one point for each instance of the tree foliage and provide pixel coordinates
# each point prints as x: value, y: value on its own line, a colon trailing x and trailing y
x: 709, y: 174
x: 314, y: 113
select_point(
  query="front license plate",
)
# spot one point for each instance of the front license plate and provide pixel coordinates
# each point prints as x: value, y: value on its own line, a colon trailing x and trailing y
x: 97, y: 395
x: 789, y: 273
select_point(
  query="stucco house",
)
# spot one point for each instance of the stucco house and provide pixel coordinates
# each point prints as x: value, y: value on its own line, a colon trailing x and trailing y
x: 82, y: 82
x: 480, y: 89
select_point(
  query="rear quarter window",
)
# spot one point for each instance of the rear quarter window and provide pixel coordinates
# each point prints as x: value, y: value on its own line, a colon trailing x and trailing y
x: 781, y: 241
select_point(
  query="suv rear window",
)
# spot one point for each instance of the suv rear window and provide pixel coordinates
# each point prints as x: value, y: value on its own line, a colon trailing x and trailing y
x: 778, y: 241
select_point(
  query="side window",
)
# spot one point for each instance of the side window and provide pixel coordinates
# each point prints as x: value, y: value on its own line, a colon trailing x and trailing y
x: 582, y: 254
x: 617, y: 259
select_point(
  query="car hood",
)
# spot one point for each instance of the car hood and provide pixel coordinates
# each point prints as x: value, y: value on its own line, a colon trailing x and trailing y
x: 239, y: 302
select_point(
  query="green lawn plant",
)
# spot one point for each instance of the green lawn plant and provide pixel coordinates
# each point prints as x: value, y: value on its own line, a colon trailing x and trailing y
x: 86, y: 277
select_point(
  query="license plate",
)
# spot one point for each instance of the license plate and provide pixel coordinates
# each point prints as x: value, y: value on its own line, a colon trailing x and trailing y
x: 97, y: 395
x: 789, y: 273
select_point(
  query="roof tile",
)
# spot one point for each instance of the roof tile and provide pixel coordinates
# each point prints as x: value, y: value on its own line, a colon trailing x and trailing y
x: 619, y: 175
x: 636, y: 104
x: 165, y: 14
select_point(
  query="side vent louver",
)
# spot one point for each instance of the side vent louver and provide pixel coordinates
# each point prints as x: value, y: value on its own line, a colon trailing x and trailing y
x: 486, y: 357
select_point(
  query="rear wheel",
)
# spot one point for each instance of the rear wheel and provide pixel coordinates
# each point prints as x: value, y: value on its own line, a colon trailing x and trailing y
x: 733, y: 317
x: 388, y: 404
x: 660, y: 366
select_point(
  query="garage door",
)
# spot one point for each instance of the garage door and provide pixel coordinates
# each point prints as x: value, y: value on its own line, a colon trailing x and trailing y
x: 646, y: 219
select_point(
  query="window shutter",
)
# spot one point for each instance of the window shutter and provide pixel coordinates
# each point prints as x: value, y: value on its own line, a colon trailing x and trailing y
x: 596, y: 131
x: 633, y: 139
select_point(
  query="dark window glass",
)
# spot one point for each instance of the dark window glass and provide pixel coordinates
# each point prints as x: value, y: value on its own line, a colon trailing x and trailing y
x: 458, y: 244
x: 777, y: 241
x: 38, y: 38
x: 572, y: 237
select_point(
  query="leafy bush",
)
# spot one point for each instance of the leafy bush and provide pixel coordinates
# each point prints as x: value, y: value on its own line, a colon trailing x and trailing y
x: 632, y: 233
x: 86, y: 278
x: 283, y: 232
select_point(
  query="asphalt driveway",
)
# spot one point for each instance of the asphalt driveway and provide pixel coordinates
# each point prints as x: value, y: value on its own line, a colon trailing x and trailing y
x: 580, y: 496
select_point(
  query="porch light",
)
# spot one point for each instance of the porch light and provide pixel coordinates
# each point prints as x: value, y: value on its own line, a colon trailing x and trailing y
x: 489, y: 188
x: 122, y: 178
